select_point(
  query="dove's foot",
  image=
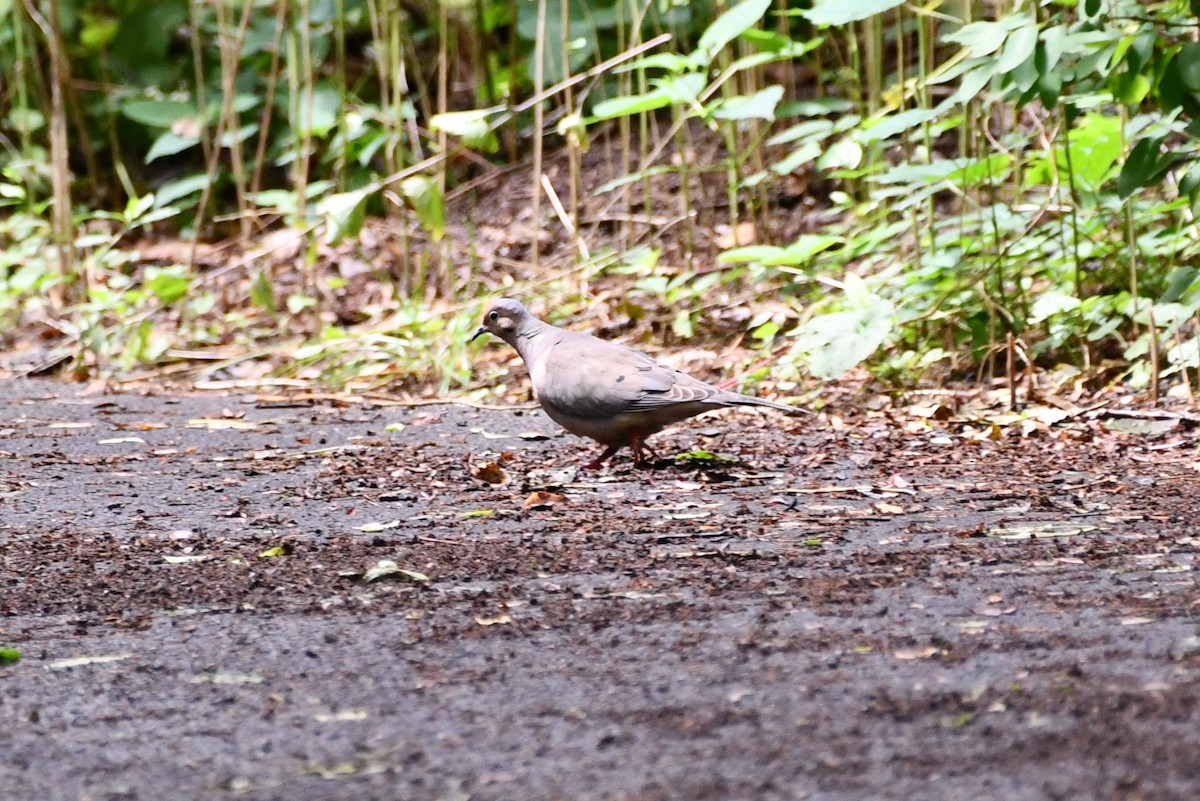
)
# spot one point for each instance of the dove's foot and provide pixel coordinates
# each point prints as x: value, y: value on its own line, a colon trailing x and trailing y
x: 599, y: 461
x: 643, y: 454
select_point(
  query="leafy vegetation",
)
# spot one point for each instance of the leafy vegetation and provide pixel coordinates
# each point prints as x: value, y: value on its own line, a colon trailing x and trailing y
x: 936, y: 189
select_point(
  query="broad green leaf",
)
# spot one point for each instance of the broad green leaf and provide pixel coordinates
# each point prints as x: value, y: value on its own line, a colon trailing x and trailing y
x: 982, y: 38
x: 760, y: 105
x: 1051, y: 303
x: 750, y: 253
x: 1188, y: 63
x: 970, y: 172
x: 137, y: 206
x: 98, y: 32
x: 799, y: 253
x: 9, y: 656
x: 1190, y: 182
x: 174, y: 190
x: 671, y: 62
x: 319, y: 118
x: 153, y: 216
x: 835, y: 343
x: 842, y: 154
x: 1095, y: 148
x: 802, y: 130
x: 840, y: 12
x: 240, y: 135
x: 282, y: 200
x: 916, y: 173
x: 23, y: 118
x: 1178, y: 283
x: 262, y: 293
x: 168, y: 144
x: 684, y: 89
x: 158, y: 113
x: 634, y: 104
x: 426, y: 199
x: 472, y: 127
x: 168, y: 284
x: 893, y: 124
x: 806, y: 153
x: 1019, y: 45
x: 1146, y: 165
x: 733, y: 23
x: 682, y: 326
x: 343, y: 214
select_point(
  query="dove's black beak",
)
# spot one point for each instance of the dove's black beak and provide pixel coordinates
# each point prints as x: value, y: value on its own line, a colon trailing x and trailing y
x: 477, y: 334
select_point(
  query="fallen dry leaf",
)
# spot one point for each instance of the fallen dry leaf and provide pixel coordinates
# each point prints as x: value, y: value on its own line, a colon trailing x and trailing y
x: 543, y: 500
x: 917, y: 653
x: 490, y: 473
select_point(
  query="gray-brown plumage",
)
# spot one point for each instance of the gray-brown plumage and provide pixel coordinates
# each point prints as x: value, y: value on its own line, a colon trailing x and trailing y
x: 609, y: 392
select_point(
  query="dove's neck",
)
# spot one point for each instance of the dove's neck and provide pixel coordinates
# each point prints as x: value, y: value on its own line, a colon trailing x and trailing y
x: 531, y: 341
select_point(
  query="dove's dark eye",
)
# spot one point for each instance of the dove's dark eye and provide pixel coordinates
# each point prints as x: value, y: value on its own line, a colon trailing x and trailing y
x: 494, y: 316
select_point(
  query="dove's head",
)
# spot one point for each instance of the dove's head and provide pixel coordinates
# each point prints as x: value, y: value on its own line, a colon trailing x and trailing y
x: 505, y: 318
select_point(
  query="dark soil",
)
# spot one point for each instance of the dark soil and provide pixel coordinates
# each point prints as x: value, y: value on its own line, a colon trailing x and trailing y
x: 851, y: 610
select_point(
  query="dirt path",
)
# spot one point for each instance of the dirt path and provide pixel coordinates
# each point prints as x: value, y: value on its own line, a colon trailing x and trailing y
x: 866, y: 614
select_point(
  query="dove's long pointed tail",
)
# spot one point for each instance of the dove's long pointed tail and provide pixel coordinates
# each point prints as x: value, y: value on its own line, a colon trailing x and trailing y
x: 749, y: 400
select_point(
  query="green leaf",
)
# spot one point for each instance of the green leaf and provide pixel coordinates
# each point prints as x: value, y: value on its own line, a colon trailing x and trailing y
x: 760, y: 105
x: 168, y: 284
x: 684, y: 89
x: 840, y: 12
x: 98, y: 32
x: 1146, y: 165
x: 321, y: 118
x: 893, y: 124
x: 168, y: 144
x: 158, y: 113
x: 750, y: 253
x: 1188, y: 63
x: 973, y: 81
x: 343, y: 214
x: 240, y: 135
x: 174, y: 190
x: 1019, y: 45
x: 9, y: 656
x: 835, y: 343
x: 1190, y: 182
x: 1095, y: 148
x: 671, y: 62
x: 971, y: 172
x: 682, y: 326
x: 733, y: 23
x: 23, y: 118
x: 703, y: 457
x: 842, y: 154
x: 634, y: 104
x: 262, y: 294
x: 472, y: 127
x: 981, y: 38
x: 426, y: 199
x: 282, y: 200
x: 137, y: 206
x: 809, y: 129
x: 1051, y: 303
x: 1178, y: 283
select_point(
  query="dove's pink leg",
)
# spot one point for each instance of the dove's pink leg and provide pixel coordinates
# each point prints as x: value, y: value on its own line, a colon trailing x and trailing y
x: 599, y: 461
x: 640, y: 450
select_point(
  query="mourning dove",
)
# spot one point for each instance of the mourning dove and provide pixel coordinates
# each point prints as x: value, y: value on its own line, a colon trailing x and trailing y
x: 611, y: 393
